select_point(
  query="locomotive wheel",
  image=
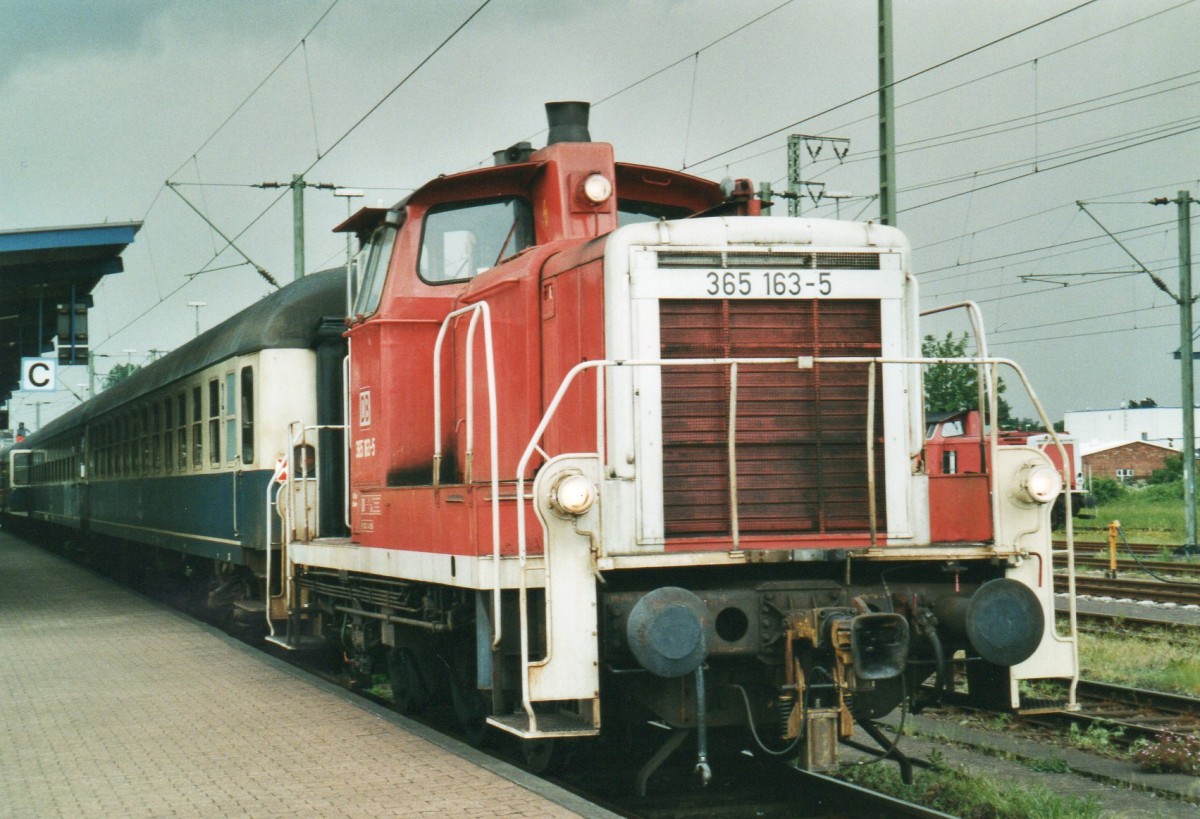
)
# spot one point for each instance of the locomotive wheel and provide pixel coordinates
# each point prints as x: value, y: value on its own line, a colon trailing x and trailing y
x: 409, y: 692
x: 541, y: 755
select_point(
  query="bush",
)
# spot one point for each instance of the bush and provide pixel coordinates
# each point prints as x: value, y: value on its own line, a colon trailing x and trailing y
x: 1172, y: 491
x: 1107, y: 490
x: 1170, y: 753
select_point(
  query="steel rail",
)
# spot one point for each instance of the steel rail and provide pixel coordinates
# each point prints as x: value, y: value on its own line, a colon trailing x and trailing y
x: 1152, y: 590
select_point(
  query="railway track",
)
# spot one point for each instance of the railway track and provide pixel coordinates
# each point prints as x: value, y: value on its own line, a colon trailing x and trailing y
x: 741, y: 787
x: 1128, y: 713
x: 1101, y: 546
x: 1160, y: 567
x: 1152, y: 590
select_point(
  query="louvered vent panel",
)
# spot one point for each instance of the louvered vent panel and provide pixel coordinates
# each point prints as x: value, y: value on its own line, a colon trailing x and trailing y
x: 801, y: 434
x: 783, y: 259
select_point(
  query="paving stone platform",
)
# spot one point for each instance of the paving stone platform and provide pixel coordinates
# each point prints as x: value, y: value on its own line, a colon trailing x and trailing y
x: 113, y: 705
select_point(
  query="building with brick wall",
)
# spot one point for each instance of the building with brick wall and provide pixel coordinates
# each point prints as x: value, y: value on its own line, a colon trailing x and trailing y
x: 1129, y: 462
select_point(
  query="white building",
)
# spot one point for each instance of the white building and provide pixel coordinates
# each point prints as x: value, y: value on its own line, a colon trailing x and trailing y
x: 1095, y: 429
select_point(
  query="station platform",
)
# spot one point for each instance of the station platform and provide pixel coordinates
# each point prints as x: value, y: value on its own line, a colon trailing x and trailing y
x: 114, y: 705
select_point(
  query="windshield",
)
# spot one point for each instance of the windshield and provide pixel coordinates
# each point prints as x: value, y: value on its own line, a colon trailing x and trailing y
x: 460, y: 241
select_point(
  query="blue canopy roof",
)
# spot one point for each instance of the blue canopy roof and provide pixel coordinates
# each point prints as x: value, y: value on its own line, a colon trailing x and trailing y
x: 41, y: 268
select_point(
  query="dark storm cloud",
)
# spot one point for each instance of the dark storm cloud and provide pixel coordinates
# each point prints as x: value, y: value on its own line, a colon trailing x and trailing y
x: 60, y: 29
x: 34, y: 33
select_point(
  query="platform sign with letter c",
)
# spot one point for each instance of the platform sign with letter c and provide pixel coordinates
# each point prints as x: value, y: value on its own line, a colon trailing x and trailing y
x: 39, y: 374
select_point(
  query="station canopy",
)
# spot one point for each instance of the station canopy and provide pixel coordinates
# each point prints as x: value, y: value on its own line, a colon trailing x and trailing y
x: 46, y: 280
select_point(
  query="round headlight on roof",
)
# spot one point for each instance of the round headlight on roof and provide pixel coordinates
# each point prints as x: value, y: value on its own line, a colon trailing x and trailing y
x: 597, y: 189
x: 573, y: 494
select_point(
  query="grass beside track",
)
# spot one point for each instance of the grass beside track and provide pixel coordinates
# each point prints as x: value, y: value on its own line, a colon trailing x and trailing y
x: 963, y: 794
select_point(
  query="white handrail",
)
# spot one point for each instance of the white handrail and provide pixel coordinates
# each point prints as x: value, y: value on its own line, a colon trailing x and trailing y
x: 270, y: 528
x: 475, y: 310
x: 346, y: 442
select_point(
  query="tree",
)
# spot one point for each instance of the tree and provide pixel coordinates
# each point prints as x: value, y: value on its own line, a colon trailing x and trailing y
x: 1172, y: 470
x: 952, y: 387
x: 1145, y: 403
x: 119, y: 373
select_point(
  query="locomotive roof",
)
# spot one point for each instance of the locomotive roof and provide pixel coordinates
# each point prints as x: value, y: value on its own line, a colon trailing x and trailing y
x: 289, y: 318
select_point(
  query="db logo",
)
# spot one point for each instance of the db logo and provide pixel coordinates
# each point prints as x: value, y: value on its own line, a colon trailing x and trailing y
x: 364, y: 408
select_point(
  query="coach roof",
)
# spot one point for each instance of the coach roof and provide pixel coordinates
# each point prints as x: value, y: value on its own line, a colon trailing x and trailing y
x: 289, y: 318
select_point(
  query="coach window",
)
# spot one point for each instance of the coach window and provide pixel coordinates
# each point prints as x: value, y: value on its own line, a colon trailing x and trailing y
x: 144, y: 457
x: 460, y: 241
x: 247, y: 415
x: 131, y: 430
x: 378, y: 255
x: 197, y: 441
x: 214, y: 421
x: 230, y: 404
x: 182, y: 452
x: 126, y: 427
x: 155, y: 436
x: 168, y: 451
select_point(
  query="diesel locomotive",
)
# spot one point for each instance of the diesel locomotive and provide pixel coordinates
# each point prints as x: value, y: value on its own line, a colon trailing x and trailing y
x: 584, y: 444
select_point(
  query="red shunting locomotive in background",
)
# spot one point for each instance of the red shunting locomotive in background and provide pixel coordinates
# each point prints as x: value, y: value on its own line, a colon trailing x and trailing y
x: 622, y: 448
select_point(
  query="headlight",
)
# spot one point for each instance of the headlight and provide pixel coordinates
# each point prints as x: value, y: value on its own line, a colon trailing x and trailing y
x: 597, y: 189
x: 1041, y: 483
x: 573, y: 494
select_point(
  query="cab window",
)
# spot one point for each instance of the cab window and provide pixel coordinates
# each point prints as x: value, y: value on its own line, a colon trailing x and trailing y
x: 377, y: 255
x: 460, y: 241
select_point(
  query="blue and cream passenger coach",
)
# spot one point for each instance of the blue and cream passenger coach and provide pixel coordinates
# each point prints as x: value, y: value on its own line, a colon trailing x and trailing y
x: 179, y: 455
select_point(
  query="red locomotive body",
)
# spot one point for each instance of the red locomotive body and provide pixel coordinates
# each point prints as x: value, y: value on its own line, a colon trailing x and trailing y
x: 957, y: 455
x: 621, y: 447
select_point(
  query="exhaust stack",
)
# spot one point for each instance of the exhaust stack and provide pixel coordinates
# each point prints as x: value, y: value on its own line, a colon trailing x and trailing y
x: 568, y: 122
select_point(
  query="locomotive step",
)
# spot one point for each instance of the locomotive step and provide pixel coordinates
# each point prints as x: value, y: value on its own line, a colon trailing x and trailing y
x: 1042, y: 706
x: 548, y: 725
x: 250, y: 606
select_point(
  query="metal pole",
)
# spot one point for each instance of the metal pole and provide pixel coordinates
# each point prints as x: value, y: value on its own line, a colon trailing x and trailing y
x: 298, y: 223
x: 887, y: 130
x: 1184, y: 201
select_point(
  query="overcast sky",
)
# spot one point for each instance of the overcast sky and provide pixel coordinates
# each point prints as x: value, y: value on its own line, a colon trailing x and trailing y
x: 103, y: 102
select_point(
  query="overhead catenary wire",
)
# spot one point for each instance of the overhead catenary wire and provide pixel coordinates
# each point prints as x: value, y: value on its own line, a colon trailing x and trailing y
x: 893, y: 84
x: 335, y: 144
x: 1063, y: 206
x: 1133, y: 232
x: 840, y: 128
x: 368, y: 114
x: 237, y: 109
x: 1043, y: 170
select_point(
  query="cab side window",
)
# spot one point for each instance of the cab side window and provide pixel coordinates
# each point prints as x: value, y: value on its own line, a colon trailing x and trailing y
x: 460, y: 241
x: 377, y: 255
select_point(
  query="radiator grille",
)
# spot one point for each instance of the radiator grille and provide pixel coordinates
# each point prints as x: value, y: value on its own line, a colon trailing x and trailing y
x: 801, y: 434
